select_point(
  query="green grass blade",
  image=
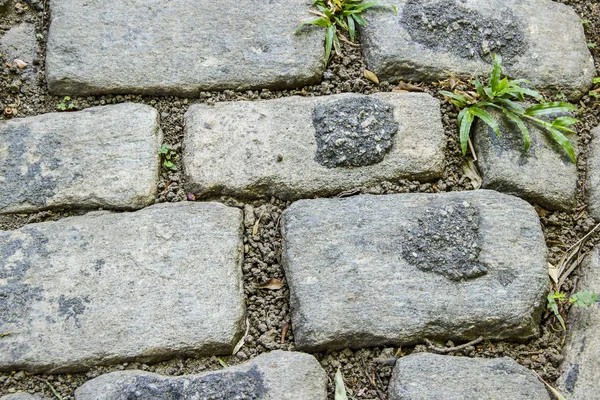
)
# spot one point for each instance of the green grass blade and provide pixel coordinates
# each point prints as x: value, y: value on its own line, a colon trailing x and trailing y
x: 324, y: 22
x: 464, y: 130
x: 522, y: 127
x: 459, y: 98
x: 479, y: 88
x: 351, y: 27
x: 329, y: 35
x: 550, y: 108
x: 565, y: 121
x: 359, y: 20
x: 563, y: 142
x: 487, y: 118
x: 529, y: 92
x: 461, y: 116
x: 512, y: 105
x: 496, y: 72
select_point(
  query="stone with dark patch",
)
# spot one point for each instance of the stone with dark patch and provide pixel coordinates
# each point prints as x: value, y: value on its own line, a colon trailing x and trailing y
x: 109, y: 287
x: 276, y: 375
x: 540, y: 40
x: 446, y: 242
x: 479, y: 269
x: 449, y: 26
x: 580, y: 374
x: 100, y: 157
x: 426, y: 376
x: 543, y: 175
x: 267, y: 148
x: 353, y: 132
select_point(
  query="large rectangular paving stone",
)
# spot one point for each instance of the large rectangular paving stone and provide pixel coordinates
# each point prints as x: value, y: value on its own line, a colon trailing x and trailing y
x: 180, y: 47
x: 593, y: 174
x: 105, y: 288
x: 392, y: 270
x: 99, y: 157
x: 278, y: 375
x: 540, y: 40
x: 299, y: 147
x: 580, y: 378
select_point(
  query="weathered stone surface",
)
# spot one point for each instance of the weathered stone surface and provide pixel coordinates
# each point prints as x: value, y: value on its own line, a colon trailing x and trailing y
x: 593, y: 174
x: 544, y: 174
x: 427, y: 376
x: 377, y: 270
x: 19, y: 42
x: 580, y: 377
x: 23, y: 396
x: 100, y: 157
x: 287, y: 147
x: 540, y: 40
x: 153, y: 47
x: 275, y: 375
x: 107, y: 287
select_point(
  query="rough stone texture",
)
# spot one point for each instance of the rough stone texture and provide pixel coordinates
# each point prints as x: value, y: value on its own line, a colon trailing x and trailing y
x: 580, y: 377
x: 278, y: 375
x: 23, y: 396
x: 253, y: 149
x: 353, y: 132
x: 19, y: 42
x: 540, y: 40
x: 593, y: 174
x: 360, y: 274
x: 427, y: 376
x: 158, y: 47
x: 544, y: 175
x: 100, y: 157
x: 105, y: 287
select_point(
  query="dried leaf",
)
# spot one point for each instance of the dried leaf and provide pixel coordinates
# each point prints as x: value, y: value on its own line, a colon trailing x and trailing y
x: 271, y: 284
x: 20, y: 63
x: 340, y: 388
x: 399, y: 91
x: 222, y: 362
x: 284, y: 329
x: 371, y: 76
x: 541, y: 212
x: 5, y: 334
x: 239, y: 345
x: 553, y: 272
x: 470, y: 172
x: 255, y: 228
x: 408, y: 87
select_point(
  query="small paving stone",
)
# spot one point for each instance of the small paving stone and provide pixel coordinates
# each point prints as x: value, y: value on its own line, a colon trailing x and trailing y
x: 111, y: 287
x: 100, y: 157
x: 19, y: 42
x: 580, y: 369
x: 23, y: 396
x: 275, y: 375
x: 299, y: 147
x: 593, y: 174
x: 427, y: 376
x: 540, y: 40
x: 391, y: 270
x: 180, y: 47
x: 544, y: 175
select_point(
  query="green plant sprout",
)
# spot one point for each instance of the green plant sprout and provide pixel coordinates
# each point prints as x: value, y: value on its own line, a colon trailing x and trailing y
x: 506, y: 95
x: 168, y: 155
x: 65, y: 104
x: 337, y: 16
x: 579, y: 299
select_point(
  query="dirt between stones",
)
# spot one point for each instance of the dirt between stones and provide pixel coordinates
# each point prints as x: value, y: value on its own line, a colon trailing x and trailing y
x: 366, y: 371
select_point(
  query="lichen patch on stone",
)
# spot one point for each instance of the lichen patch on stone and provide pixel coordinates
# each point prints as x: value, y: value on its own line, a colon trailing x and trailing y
x: 447, y: 25
x: 353, y: 132
x: 445, y: 241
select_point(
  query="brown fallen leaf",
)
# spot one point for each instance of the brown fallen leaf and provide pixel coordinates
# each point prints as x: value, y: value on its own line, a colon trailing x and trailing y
x: 284, y: 329
x: 409, y: 87
x: 399, y: 91
x: 20, y: 63
x: 371, y: 76
x: 271, y: 284
x: 471, y: 172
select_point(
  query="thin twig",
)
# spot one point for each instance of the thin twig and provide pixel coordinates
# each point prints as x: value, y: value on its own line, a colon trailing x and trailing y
x: 554, y: 391
x: 54, y: 392
x: 444, y: 350
x: 472, y: 150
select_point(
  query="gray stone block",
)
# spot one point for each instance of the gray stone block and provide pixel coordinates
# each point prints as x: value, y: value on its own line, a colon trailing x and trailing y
x: 180, y: 47
x: 110, y: 287
x: 593, y: 174
x: 19, y: 42
x: 299, y: 147
x: 540, y: 40
x: 426, y: 376
x: 580, y: 379
x: 276, y: 375
x: 99, y: 157
x: 23, y: 396
x: 544, y: 175
x: 392, y: 270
